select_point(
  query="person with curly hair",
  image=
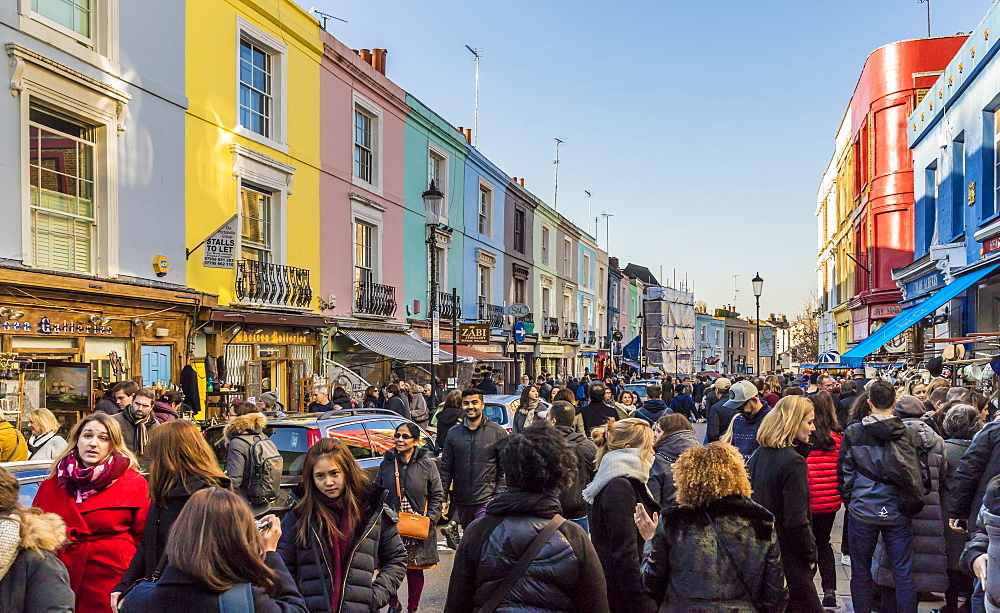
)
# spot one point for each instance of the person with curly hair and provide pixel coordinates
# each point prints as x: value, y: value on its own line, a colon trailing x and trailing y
x: 565, y: 575
x: 717, y: 549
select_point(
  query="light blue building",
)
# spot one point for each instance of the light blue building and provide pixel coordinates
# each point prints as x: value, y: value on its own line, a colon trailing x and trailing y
x: 484, y: 262
x: 710, y: 334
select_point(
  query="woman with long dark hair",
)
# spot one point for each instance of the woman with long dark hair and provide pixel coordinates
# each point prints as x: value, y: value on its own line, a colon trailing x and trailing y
x: 340, y: 542
x: 410, y: 475
x: 373, y: 398
x: 217, y: 554
x: 182, y: 463
x: 526, y: 408
x: 824, y: 497
x: 448, y: 415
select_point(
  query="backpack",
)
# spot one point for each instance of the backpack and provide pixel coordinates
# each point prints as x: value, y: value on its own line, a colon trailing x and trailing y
x: 263, y: 473
x: 581, y: 392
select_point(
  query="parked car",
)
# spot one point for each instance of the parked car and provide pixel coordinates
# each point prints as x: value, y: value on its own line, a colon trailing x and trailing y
x: 29, y: 475
x: 367, y: 432
x: 639, y: 387
x: 500, y: 409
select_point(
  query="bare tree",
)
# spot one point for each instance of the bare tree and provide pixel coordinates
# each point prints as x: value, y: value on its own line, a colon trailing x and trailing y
x: 804, y: 332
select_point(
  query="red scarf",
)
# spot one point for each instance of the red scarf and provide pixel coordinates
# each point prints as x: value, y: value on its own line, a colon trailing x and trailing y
x: 339, y: 549
x: 82, y: 482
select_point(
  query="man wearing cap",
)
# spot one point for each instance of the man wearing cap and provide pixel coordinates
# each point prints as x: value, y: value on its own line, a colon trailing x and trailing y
x: 750, y: 411
x: 718, y: 415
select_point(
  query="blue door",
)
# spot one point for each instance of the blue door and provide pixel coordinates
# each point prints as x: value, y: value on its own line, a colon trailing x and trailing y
x: 155, y: 365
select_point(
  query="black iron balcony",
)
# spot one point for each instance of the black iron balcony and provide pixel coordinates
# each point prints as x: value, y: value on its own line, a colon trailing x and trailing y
x: 449, y: 308
x: 550, y: 326
x: 375, y: 299
x: 590, y: 338
x: 269, y: 284
x: 491, y: 314
x: 571, y: 331
x: 604, y: 342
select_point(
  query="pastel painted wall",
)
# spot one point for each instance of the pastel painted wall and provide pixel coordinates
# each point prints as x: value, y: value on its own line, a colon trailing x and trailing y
x: 480, y: 170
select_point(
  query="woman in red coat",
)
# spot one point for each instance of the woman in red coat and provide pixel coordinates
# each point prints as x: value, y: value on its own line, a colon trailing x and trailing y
x: 824, y: 497
x: 97, y: 490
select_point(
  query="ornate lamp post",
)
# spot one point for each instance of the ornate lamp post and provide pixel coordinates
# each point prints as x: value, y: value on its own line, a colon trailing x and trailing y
x: 433, y: 199
x: 758, y: 289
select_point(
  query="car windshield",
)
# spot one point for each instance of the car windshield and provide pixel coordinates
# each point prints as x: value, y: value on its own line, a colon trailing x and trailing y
x: 497, y: 413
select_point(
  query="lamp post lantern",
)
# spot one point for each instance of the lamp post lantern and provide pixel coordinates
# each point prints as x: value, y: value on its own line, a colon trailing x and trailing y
x: 433, y: 199
x: 758, y: 289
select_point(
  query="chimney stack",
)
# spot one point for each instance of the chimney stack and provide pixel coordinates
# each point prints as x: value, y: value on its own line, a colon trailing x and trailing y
x: 468, y: 135
x: 521, y: 182
x: 374, y: 58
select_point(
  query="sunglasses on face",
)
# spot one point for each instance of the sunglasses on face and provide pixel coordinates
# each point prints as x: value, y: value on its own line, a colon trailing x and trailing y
x: 405, y: 437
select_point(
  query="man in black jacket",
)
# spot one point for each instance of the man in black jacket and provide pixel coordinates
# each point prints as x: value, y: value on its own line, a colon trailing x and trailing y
x: 596, y: 413
x: 487, y: 385
x: 469, y: 460
x: 562, y: 415
x: 879, y: 476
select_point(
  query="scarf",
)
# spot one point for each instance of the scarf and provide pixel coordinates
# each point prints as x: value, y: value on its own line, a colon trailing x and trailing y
x: 10, y: 541
x: 83, y: 482
x: 633, y: 463
x: 37, y: 442
x: 141, y: 432
x: 339, y: 550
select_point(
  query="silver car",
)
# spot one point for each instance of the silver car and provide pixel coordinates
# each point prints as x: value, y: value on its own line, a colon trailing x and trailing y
x: 500, y: 409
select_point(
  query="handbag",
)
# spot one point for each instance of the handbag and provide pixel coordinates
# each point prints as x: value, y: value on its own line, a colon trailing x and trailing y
x: 732, y: 561
x: 502, y: 590
x: 411, y: 525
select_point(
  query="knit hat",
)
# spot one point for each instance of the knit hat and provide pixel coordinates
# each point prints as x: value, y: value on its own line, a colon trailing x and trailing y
x: 269, y: 398
x: 909, y: 406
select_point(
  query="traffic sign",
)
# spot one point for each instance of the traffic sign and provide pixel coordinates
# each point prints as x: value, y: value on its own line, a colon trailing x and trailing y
x: 519, y: 332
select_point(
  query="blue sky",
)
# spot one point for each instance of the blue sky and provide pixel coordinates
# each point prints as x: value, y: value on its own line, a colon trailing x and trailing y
x: 704, y: 127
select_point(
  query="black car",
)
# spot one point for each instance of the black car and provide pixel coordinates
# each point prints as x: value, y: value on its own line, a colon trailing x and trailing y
x: 366, y: 432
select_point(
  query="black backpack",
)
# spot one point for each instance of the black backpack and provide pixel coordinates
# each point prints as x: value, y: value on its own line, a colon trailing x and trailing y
x: 263, y: 473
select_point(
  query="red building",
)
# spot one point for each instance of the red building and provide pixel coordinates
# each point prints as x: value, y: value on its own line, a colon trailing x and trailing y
x: 894, y: 79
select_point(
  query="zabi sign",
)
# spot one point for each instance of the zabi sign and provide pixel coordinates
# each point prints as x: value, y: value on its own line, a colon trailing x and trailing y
x: 474, y: 334
x: 220, y: 246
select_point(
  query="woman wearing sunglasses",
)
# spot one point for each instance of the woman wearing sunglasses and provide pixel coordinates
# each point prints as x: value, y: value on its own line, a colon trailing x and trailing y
x: 409, y: 474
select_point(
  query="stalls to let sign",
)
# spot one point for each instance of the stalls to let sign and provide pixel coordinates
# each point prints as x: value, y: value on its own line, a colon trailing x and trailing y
x: 991, y: 245
x: 474, y: 334
x: 220, y: 246
x: 887, y: 311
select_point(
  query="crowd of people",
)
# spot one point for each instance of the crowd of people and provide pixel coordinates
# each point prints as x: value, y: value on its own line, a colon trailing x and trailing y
x: 597, y: 501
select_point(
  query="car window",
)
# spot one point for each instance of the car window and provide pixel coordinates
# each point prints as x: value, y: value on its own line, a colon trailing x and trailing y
x: 292, y: 444
x: 381, y: 431
x: 354, y: 437
x: 215, y: 440
x: 497, y: 413
x: 425, y: 438
x: 26, y: 493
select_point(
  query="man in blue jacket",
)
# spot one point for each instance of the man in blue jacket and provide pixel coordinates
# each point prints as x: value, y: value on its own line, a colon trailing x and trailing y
x: 750, y: 411
x: 654, y: 407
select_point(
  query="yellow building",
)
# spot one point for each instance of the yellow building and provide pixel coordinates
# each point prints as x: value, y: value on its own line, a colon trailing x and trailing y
x: 252, y: 191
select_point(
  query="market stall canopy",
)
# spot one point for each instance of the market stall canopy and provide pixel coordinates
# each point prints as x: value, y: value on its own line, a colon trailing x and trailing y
x: 631, y: 351
x: 900, y: 323
x: 465, y: 352
x: 402, y: 345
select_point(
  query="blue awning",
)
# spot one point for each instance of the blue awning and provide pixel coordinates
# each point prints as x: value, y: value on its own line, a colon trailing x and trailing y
x: 631, y: 351
x: 898, y: 324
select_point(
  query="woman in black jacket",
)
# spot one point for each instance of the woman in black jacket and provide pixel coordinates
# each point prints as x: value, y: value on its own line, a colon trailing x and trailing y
x: 373, y: 398
x: 182, y: 464
x: 779, y: 476
x: 411, y: 471
x: 216, y: 553
x: 565, y: 575
x: 716, y: 550
x: 448, y: 415
x: 340, y: 541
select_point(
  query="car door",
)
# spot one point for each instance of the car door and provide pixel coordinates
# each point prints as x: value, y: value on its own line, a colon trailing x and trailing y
x: 354, y: 436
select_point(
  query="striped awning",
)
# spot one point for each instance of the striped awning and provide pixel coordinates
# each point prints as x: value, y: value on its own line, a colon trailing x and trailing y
x: 403, y: 345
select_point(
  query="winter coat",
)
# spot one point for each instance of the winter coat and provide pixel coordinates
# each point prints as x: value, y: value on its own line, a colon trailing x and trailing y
x: 178, y: 592
x: 37, y: 582
x: 375, y: 546
x: 565, y: 576
x: 469, y: 462
x: 886, y: 448
x: 685, y: 568
x: 128, y: 434
x: 397, y: 404
x: 488, y: 387
x: 524, y: 417
x: 843, y: 409
x: 191, y: 386
x: 418, y: 409
x: 661, y: 475
x: 158, y: 522
x: 596, y: 414
x: 683, y: 404
x: 780, y: 481
x: 954, y: 541
x: 46, y: 447
x: 619, y: 544
x: 315, y: 407
x: 103, y: 531
x: 719, y: 417
x: 978, y: 465
x: 930, y: 561
x: 745, y: 431
x: 421, y: 485
x: 163, y: 412
x: 107, y: 405
x: 13, y: 447
x: 824, y: 497
x: 652, y: 410
x: 979, y: 544
x: 242, y: 432
x: 446, y: 418
x: 571, y: 498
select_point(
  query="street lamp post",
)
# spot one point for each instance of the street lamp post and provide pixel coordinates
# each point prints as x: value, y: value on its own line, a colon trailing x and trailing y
x: 677, y: 365
x: 432, y: 210
x: 758, y: 289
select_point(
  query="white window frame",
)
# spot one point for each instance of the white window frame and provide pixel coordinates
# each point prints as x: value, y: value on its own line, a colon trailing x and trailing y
x: 485, y: 187
x: 433, y: 151
x: 484, y: 272
x: 523, y: 228
x: 586, y: 271
x: 268, y: 245
x: 364, y: 213
x: 261, y: 172
x: 99, y: 49
x: 546, y: 302
x: 366, y: 106
x: 568, y: 257
x: 546, y: 236
x: 37, y: 79
x: 278, y: 137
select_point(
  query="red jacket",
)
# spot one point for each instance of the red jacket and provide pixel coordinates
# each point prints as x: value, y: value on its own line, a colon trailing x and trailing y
x: 103, y: 530
x: 823, y: 494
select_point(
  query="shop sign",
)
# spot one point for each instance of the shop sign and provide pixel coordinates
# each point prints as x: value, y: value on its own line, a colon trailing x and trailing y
x: 474, y: 334
x: 886, y: 311
x: 273, y: 337
x: 991, y: 245
x: 921, y: 286
x: 220, y: 246
x: 48, y: 327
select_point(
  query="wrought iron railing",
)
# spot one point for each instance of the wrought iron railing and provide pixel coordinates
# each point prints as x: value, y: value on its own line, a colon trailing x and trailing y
x: 550, y: 326
x: 604, y: 342
x: 375, y: 299
x: 589, y: 338
x: 528, y: 319
x: 491, y: 314
x: 571, y: 331
x: 449, y: 308
x: 272, y: 284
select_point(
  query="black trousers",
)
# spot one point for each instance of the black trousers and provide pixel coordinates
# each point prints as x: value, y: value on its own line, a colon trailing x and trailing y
x: 802, y: 596
x: 822, y: 526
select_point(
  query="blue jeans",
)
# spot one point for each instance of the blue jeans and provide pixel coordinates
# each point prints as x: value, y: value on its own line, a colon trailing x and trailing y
x: 583, y: 522
x: 864, y: 537
x: 978, y: 597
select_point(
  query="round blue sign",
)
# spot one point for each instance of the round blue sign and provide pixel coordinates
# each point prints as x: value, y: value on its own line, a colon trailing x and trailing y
x: 519, y: 332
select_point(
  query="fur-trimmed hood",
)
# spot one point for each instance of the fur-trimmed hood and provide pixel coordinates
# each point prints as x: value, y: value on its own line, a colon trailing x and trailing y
x: 42, y: 531
x: 251, y: 423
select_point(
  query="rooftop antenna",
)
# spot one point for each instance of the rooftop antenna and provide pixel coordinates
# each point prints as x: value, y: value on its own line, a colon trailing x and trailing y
x: 555, y: 192
x: 475, y: 115
x: 590, y: 212
x: 736, y: 292
x: 928, y: 2
x: 607, y: 230
x: 325, y: 16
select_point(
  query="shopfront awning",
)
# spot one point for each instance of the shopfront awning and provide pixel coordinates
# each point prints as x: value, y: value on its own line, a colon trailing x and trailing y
x: 900, y: 323
x: 402, y: 346
x: 465, y: 352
